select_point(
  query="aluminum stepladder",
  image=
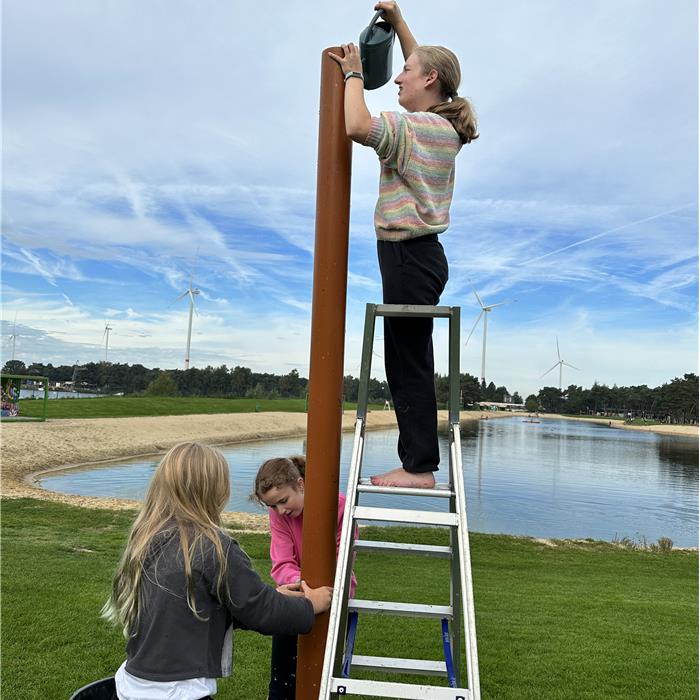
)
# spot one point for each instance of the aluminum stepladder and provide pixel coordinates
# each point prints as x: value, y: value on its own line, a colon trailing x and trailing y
x: 458, y: 617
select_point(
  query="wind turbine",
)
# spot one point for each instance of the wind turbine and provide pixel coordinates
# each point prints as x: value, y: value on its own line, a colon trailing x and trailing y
x: 190, y: 292
x: 561, y: 363
x: 105, y: 335
x: 485, y: 310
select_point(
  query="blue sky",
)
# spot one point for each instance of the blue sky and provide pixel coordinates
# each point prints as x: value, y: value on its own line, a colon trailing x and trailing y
x: 147, y: 142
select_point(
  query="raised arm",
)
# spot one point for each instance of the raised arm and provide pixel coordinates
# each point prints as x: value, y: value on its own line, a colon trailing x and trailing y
x: 357, y: 117
x: 392, y: 14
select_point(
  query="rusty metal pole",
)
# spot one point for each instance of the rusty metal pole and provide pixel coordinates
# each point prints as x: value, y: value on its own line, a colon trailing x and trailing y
x: 324, y: 421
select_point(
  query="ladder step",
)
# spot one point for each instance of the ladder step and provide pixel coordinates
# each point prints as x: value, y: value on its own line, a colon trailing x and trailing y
x: 385, y: 607
x: 402, y: 548
x: 409, y: 691
x: 440, y: 490
x: 390, y: 665
x: 413, y: 310
x: 399, y: 515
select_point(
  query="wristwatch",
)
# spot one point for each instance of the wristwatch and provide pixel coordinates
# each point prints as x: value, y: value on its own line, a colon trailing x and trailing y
x: 353, y: 74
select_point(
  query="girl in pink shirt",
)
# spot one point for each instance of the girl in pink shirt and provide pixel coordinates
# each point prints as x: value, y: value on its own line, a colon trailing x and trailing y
x: 279, y: 485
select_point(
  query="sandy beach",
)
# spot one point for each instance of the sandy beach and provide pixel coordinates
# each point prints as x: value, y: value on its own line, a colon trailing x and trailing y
x: 31, y: 448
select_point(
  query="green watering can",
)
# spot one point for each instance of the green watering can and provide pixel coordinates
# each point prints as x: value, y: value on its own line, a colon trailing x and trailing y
x: 376, y: 44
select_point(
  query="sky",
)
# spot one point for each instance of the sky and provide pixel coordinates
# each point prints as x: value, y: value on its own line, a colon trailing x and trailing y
x: 149, y: 144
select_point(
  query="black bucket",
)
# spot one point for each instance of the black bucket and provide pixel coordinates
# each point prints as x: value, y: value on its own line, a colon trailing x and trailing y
x: 105, y: 689
x: 376, y: 44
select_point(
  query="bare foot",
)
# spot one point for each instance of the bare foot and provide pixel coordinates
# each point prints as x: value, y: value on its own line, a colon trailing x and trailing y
x: 400, y: 477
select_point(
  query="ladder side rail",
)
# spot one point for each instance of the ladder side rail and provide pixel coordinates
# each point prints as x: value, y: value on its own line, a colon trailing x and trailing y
x: 456, y: 626
x: 454, y: 378
x: 455, y: 476
x: 366, y: 362
x: 465, y: 568
x: 337, y: 620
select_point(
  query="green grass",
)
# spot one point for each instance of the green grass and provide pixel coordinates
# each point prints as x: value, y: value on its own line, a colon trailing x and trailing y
x: 573, y: 621
x: 123, y: 406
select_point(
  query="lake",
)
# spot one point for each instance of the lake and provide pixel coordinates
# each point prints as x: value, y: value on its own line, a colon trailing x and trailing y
x: 557, y: 478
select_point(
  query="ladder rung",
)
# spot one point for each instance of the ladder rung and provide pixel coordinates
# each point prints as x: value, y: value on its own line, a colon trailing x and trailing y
x: 402, y: 548
x: 440, y: 490
x: 400, y: 515
x: 408, y: 691
x: 413, y: 310
x: 390, y: 665
x: 385, y: 607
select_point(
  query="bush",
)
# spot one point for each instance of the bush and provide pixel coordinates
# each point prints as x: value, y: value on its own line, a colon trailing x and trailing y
x: 162, y: 385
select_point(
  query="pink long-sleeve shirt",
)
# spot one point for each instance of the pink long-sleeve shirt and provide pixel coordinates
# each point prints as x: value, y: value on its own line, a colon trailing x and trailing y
x: 285, y: 545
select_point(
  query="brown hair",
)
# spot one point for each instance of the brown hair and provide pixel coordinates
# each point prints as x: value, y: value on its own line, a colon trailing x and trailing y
x: 457, y: 110
x: 276, y: 472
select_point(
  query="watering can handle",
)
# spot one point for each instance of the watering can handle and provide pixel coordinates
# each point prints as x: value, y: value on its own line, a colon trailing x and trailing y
x: 370, y: 28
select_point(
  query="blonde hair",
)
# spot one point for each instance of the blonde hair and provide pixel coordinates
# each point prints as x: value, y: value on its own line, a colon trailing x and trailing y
x: 457, y: 110
x: 187, y: 494
x: 277, y: 472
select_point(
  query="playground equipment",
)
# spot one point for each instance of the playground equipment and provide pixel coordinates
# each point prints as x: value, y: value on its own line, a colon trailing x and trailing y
x: 11, y: 387
x: 376, y: 44
x: 457, y: 618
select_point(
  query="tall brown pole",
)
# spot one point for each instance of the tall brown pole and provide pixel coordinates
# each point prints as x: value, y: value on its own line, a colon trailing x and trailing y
x: 324, y: 420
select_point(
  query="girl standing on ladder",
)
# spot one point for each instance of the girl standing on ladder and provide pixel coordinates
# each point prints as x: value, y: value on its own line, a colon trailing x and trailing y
x: 417, y: 151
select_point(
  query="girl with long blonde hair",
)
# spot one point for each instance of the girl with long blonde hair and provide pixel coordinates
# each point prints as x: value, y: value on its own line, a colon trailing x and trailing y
x: 183, y: 584
x: 417, y: 150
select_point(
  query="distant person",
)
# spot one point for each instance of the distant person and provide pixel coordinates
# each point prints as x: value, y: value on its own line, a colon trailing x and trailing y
x: 417, y: 150
x: 183, y: 585
x: 279, y: 485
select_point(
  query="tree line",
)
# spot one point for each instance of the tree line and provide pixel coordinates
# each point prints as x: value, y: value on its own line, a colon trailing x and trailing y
x: 676, y: 400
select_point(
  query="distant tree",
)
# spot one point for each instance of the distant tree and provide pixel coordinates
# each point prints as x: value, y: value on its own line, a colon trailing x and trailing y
x: 351, y: 387
x: 14, y: 367
x: 162, y: 385
x: 240, y: 381
x: 470, y: 388
x: 532, y: 405
x: 290, y: 384
x: 551, y: 399
x: 516, y: 398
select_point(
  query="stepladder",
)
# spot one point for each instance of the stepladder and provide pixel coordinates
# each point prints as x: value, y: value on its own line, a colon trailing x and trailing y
x: 455, y: 676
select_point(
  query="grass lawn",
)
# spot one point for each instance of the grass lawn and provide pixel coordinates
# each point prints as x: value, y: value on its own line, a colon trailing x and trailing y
x: 573, y: 621
x: 123, y: 406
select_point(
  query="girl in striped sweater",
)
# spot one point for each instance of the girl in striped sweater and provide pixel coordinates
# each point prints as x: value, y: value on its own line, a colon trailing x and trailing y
x: 417, y: 151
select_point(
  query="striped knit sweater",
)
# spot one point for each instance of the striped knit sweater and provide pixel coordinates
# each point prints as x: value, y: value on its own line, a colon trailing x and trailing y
x: 417, y: 152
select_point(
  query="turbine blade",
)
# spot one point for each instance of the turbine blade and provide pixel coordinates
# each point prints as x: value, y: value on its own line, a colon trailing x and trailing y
x: 558, y: 355
x: 500, y: 303
x: 568, y: 365
x: 478, y: 318
x: 549, y: 370
x: 478, y: 298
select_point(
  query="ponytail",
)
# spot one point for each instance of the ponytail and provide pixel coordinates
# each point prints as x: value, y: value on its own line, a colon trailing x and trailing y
x: 460, y: 113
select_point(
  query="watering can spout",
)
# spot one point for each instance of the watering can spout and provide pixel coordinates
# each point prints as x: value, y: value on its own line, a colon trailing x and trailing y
x: 376, y: 44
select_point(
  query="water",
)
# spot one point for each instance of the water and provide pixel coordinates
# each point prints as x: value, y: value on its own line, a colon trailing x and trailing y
x: 560, y: 479
x: 55, y: 394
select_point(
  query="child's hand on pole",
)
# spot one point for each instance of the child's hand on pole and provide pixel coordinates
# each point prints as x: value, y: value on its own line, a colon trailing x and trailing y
x: 291, y: 589
x: 320, y: 597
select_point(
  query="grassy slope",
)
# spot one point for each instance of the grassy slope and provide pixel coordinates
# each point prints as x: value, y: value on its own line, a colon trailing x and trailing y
x: 123, y: 406
x: 586, y: 621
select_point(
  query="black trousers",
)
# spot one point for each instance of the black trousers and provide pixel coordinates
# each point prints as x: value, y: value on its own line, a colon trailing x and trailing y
x: 283, y: 667
x: 413, y: 272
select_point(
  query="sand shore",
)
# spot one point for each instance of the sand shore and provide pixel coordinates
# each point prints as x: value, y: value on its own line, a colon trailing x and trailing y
x: 31, y: 448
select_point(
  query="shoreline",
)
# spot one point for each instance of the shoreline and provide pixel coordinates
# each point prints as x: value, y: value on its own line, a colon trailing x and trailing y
x: 31, y: 449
